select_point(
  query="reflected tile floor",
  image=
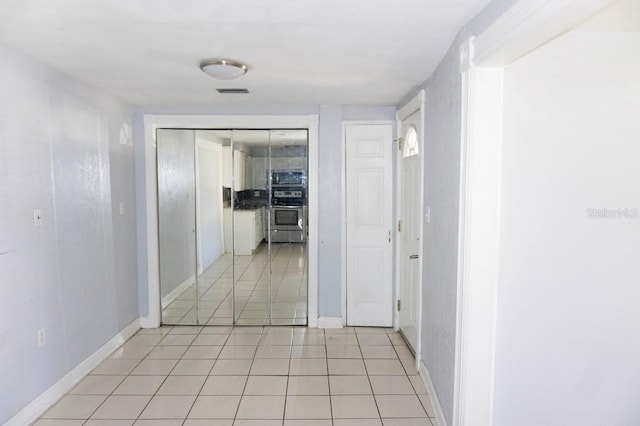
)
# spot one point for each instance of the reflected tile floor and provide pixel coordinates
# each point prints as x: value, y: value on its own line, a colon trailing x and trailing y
x: 285, y: 376
x: 283, y: 280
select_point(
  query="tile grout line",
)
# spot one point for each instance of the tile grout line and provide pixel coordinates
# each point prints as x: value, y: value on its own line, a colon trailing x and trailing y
x: 165, y: 379
x: 375, y: 401
x: 206, y: 377
x: 324, y: 338
x: 129, y: 374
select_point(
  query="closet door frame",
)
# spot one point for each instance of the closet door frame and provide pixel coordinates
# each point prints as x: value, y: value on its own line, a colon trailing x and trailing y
x: 147, y: 203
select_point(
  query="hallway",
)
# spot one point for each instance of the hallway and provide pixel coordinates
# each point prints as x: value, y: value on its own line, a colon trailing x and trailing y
x: 187, y: 375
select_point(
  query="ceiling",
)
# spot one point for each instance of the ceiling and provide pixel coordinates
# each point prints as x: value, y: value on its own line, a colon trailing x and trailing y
x: 360, y: 52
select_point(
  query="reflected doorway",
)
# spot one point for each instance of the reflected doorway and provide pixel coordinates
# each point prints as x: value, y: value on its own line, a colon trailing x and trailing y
x: 232, y: 208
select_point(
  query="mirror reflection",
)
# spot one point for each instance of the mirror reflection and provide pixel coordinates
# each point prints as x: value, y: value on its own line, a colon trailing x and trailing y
x: 240, y: 243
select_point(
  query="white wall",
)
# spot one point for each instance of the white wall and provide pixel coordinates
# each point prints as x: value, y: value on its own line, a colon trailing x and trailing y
x: 75, y: 275
x: 568, y: 321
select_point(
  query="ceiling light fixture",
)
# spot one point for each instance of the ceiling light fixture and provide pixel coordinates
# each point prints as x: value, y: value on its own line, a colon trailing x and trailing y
x: 223, y: 69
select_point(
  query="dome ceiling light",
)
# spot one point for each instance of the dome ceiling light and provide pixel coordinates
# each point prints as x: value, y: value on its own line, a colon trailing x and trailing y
x: 223, y: 69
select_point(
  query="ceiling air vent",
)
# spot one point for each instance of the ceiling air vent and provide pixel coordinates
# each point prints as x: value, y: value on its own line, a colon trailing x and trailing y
x: 233, y: 91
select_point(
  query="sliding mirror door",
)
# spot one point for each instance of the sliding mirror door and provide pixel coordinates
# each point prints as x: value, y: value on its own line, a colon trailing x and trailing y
x: 233, y: 226
x: 177, y: 226
x: 196, y: 273
x: 251, y: 261
x: 288, y: 220
x: 215, y: 273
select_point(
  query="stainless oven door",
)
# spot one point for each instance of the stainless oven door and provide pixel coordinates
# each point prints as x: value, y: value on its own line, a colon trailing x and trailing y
x: 287, y: 224
x: 286, y: 218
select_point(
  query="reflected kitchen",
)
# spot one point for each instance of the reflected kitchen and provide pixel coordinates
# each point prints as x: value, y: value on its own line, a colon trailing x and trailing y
x: 269, y: 202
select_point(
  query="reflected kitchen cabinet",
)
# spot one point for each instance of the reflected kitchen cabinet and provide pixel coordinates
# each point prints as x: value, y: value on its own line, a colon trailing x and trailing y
x: 248, y: 231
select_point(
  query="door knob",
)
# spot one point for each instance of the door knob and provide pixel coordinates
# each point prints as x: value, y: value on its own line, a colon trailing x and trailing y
x: 413, y: 256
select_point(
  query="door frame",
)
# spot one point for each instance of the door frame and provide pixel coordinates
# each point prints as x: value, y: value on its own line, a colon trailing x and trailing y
x: 148, y: 206
x: 343, y: 243
x: 416, y: 104
x: 517, y: 32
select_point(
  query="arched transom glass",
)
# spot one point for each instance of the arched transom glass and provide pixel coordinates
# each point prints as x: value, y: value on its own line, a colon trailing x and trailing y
x: 411, y: 143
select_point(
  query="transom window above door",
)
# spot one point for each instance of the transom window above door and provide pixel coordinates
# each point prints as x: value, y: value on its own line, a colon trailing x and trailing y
x: 411, y: 143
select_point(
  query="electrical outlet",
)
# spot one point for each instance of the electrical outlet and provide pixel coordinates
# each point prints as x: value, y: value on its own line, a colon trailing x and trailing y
x: 37, y: 218
x: 121, y: 208
x: 42, y: 337
x: 428, y: 214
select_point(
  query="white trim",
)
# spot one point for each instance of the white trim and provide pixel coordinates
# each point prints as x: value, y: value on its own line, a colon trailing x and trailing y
x: 312, y: 194
x: 147, y: 322
x: 466, y: 50
x: 396, y: 218
x: 330, y: 322
x: 439, y: 419
x: 152, y: 319
x: 38, y: 406
x: 343, y: 242
x: 178, y: 291
x: 343, y: 216
x: 152, y: 122
x: 414, y: 105
x: 528, y: 25
x: 312, y: 321
x: 423, y: 159
x: 478, y: 245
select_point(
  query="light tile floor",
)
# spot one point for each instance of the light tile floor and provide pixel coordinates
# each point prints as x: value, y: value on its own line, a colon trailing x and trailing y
x: 279, y: 276
x: 243, y: 376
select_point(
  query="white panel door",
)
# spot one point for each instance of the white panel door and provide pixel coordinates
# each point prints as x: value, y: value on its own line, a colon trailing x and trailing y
x: 409, y: 244
x: 369, y: 203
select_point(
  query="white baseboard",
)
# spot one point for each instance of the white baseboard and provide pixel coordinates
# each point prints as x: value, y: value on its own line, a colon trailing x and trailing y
x: 439, y: 420
x: 38, y: 406
x: 330, y: 322
x: 178, y: 291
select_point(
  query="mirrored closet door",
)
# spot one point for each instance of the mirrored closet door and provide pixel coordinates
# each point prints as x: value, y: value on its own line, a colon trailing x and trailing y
x: 233, y: 226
